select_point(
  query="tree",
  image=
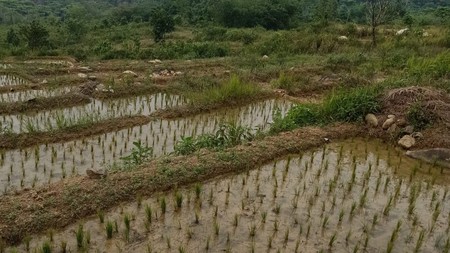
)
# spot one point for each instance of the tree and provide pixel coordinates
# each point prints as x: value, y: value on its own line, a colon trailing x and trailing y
x: 36, y: 35
x: 12, y: 38
x: 326, y: 11
x: 378, y: 12
x: 162, y: 22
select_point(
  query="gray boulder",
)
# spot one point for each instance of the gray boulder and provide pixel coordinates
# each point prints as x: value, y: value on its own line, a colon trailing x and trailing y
x: 439, y: 156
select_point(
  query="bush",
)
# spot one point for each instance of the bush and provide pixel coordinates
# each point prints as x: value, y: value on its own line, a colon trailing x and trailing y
x: 436, y: 67
x: 419, y: 117
x: 353, y: 105
x: 212, y: 34
x: 185, y: 50
x: 343, y: 105
x: 233, y: 90
x: 228, y: 135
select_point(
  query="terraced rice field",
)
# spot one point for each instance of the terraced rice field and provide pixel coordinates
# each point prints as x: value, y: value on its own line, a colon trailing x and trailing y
x: 48, y: 163
x: 353, y: 196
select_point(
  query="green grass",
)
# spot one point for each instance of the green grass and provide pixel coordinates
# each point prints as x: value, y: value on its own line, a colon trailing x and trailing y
x: 235, y: 89
x: 340, y: 106
x: 227, y: 135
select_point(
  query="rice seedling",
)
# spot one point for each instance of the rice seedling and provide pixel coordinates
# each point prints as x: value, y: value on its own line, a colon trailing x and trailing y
x: 263, y: 217
x: 63, y: 246
x: 101, y: 216
x: 168, y: 242
x: 109, y: 229
x: 80, y: 236
x: 50, y: 234
x: 391, y: 243
x: 46, y: 248
x: 235, y: 220
x: 419, y: 241
x: 332, y: 241
x: 198, y: 190
x: 252, y: 230
x: 216, y: 228
x: 148, y: 213
x: 163, y: 205
x: 207, y: 244
x: 286, y: 236
x: 178, y: 200
x: 388, y: 206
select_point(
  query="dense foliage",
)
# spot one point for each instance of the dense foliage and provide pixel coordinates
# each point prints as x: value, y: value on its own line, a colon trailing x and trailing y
x: 116, y: 28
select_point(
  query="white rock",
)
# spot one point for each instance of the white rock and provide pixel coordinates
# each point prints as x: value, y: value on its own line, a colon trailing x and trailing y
x: 371, y: 120
x: 82, y: 75
x: 129, y: 72
x: 265, y: 57
x: 342, y: 38
x: 407, y: 142
x: 155, y: 61
x: 402, y: 31
x: 388, y: 123
x: 85, y: 69
x: 44, y: 81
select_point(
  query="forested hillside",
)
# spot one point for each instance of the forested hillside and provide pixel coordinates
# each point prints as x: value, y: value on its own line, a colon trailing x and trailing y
x: 123, y: 28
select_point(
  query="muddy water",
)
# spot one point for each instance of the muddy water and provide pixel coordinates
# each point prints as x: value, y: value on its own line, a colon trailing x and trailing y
x: 25, y: 95
x: 10, y: 80
x: 97, y: 110
x: 324, y: 199
x: 48, y: 163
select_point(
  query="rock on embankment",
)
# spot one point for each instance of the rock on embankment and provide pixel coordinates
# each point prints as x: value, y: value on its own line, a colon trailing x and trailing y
x: 439, y: 156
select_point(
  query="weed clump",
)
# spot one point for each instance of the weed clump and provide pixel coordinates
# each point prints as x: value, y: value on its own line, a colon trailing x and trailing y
x: 234, y: 89
x: 340, y: 105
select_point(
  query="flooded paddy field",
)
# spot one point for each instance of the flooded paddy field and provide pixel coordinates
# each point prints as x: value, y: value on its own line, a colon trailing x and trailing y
x: 51, y: 162
x: 25, y: 95
x: 11, y: 80
x: 97, y: 110
x: 352, y: 196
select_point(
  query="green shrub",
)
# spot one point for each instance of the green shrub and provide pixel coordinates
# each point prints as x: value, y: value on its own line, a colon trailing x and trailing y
x: 436, y: 67
x: 419, y: 117
x: 351, y: 105
x: 285, y: 82
x: 212, y: 34
x: 232, y: 90
x: 185, y: 50
x: 228, y: 135
x: 343, y: 105
x: 245, y: 36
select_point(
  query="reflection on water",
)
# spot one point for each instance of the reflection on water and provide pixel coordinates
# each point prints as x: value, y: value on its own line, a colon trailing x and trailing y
x: 10, y: 80
x: 348, y: 195
x: 48, y: 120
x: 48, y: 163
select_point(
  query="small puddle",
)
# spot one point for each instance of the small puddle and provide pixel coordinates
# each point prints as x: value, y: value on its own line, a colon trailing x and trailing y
x: 10, y: 80
x: 48, y: 163
x: 354, y: 194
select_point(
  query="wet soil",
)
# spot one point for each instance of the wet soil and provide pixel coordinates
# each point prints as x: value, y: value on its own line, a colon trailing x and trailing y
x: 59, y: 204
